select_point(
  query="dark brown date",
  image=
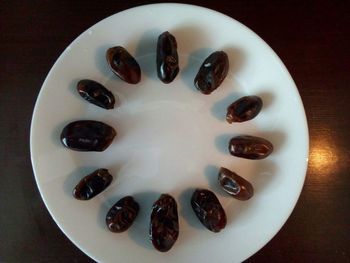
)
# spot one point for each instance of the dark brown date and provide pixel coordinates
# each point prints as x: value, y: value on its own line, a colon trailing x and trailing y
x: 96, y: 93
x: 235, y: 185
x: 122, y: 214
x: 212, y: 72
x: 123, y: 64
x: 87, y: 135
x: 164, y: 226
x: 167, y: 57
x: 92, y: 184
x: 250, y: 147
x: 244, y: 109
x: 208, y: 209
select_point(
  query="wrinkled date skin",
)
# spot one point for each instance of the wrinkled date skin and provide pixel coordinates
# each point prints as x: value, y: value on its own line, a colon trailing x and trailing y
x: 250, y: 147
x: 244, y: 109
x: 235, y: 185
x: 208, y: 209
x: 122, y: 214
x: 96, y: 93
x: 123, y: 64
x: 87, y: 136
x: 167, y: 57
x: 92, y: 184
x: 164, y: 226
x: 212, y: 72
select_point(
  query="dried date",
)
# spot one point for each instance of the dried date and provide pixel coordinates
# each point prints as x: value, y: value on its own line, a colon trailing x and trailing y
x: 212, y: 72
x: 235, y: 185
x: 92, y: 184
x: 87, y: 135
x: 244, y: 109
x: 167, y: 57
x: 208, y: 210
x: 96, y: 93
x: 164, y: 225
x: 250, y: 147
x: 122, y: 214
x: 123, y: 64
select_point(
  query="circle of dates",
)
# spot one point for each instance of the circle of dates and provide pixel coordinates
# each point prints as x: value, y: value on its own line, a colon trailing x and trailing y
x: 90, y: 135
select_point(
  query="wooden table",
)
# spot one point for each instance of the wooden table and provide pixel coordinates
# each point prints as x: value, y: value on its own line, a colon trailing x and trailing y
x: 311, y: 37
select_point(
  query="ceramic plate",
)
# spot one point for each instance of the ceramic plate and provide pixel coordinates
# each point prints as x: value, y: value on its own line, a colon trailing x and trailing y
x: 171, y: 138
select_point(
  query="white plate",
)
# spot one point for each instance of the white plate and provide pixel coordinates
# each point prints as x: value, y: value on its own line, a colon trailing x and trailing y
x: 171, y: 138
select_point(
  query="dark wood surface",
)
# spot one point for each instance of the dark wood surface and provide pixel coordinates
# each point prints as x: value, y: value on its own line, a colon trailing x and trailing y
x: 311, y: 37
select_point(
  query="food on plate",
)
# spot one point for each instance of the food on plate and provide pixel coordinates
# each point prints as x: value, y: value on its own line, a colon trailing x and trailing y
x: 250, y: 147
x: 235, y: 185
x: 244, y: 109
x: 87, y: 135
x: 208, y: 209
x: 122, y: 214
x: 167, y: 57
x: 212, y: 72
x: 90, y: 135
x: 92, y: 184
x: 96, y: 93
x: 123, y: 64
x: 164, y: 225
